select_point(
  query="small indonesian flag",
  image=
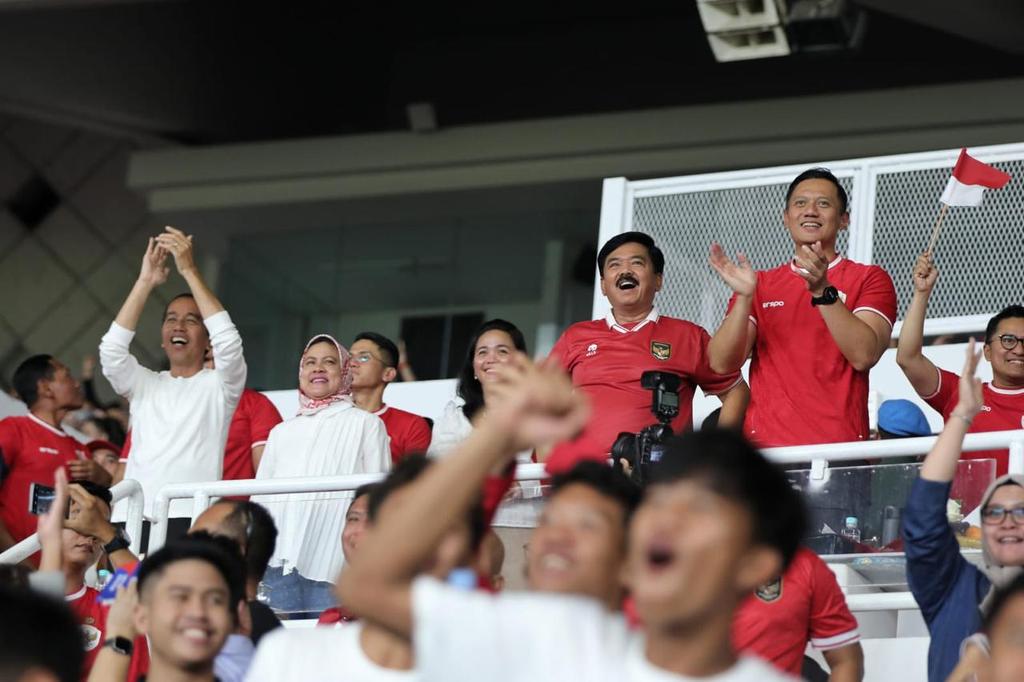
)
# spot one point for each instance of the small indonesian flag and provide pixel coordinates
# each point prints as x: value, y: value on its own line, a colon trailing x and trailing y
x: 969, y: 181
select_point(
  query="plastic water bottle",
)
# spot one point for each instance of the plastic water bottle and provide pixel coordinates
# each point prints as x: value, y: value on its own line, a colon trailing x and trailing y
x: 852, y: 530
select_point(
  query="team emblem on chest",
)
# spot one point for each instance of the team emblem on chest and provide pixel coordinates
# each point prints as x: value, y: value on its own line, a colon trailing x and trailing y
x: 769, y: 592
x: 661, y: 350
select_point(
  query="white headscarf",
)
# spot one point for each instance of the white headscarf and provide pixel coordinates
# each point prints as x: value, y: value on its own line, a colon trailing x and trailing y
x: 998, y: 574
x: 308, y: 405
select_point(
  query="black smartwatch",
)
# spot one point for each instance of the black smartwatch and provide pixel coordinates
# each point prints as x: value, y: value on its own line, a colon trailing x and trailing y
x: 121, y: 645
x: 119, y: 542
x: 828, y: 296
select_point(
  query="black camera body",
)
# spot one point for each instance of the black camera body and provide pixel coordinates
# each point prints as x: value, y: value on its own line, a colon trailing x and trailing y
x: 644, y: 449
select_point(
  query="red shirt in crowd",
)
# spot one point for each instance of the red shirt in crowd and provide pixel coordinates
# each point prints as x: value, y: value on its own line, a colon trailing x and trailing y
x: 1003, y: 411
x: 805, y: 604
x: 409, y: 433
x: 250, y: 427
x: 606, y: 360
x: 92, y: 617
x: 32, y: 451
x: 802, y: 389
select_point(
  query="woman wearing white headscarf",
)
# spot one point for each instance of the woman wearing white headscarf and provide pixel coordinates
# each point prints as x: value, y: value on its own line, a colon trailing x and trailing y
x: 951, y: 591
x: 329, y: 436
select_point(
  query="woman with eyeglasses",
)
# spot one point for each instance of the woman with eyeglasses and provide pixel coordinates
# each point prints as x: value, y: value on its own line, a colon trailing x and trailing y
x: 329, y: 436
x: 953, y: 593
x: 1004, y: 350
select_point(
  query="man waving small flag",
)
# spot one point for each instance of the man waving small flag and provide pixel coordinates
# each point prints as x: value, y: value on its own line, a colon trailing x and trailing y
x: 966, y: 187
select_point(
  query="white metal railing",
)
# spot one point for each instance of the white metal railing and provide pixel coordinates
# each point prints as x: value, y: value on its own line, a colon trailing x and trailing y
x: 127, y: 489
x: 203, y: 493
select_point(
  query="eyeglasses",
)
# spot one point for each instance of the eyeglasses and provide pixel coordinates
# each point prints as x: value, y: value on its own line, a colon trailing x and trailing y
x: 366, y: 356
x: 995, y: 515
x: 1009, y: 341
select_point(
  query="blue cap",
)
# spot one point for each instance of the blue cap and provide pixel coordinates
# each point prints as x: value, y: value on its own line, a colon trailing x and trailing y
x: 902, y: 418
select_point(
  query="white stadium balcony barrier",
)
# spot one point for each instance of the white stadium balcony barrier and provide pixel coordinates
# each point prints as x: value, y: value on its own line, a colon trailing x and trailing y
x: 819, y: 456
x: 125, y: 490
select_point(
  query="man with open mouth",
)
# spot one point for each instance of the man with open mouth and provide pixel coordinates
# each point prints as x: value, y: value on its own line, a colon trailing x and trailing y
x: 180, y: 416
x: 606, y: 357
x: 716, y: 521
x: 1004, y: 349
x: 812, y: 327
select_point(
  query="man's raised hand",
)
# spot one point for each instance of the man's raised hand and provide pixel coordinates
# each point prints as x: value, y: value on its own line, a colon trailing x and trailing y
x: 154, y: 270
x: 534, y: 404
x: 812, y: 265
x: 740, y: 276
x: 178, y: 244
x: 970, y: 399
x: 925, y: 273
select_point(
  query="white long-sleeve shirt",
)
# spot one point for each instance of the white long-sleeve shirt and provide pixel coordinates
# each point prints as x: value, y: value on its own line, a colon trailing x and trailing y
x: 179, y: 424
x: 338, y: 440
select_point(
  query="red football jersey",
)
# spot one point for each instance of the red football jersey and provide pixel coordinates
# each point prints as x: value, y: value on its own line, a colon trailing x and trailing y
x: 1003, y: 411
x: 250, y: 426
x: 606, y: 360
x: 802, y: 388
x: 32, y: 451
x: 805, y: 604
x: 92, y: 617
x: 409, y: 433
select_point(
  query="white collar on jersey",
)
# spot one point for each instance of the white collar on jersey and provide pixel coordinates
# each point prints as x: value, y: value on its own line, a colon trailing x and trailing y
x: 1004, y: 391
x: 612, y: 324
x: 37, y: 420
x: 831, y: 265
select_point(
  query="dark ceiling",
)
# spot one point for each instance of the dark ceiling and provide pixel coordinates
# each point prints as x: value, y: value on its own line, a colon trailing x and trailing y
x: 209, y: 71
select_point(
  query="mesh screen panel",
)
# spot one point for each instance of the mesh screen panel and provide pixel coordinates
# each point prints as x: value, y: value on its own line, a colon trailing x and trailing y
x: 979, y: 250
x: 747, y: 219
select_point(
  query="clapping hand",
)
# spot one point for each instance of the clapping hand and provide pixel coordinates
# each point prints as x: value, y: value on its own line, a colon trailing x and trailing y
x: 812, y: 265
x: 535, y: 404
x: 178, y: 244
x: 971, y: 398
x: 740, y: 276
x: 154, y: 271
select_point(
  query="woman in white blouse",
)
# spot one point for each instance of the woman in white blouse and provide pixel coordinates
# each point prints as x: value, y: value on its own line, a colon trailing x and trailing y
x: 492, y: 344
x: 329, y: 436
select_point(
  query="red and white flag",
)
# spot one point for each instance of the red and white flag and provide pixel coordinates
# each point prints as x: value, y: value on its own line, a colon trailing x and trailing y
x: 970, y: 179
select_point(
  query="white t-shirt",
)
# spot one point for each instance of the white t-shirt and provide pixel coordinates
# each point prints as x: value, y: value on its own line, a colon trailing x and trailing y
x: 321, y: 654
x: 464, y: 636
x: 338, y: 440
x: 179, y: 425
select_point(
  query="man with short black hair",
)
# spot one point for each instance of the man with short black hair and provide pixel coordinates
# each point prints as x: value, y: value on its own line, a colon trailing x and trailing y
x: 180, y: 417
x: 579, y: 544
x: 812, y: 327
x: 43, y: 643
x: 34, y: 446
x: 1003, y: 348
x: 189, y: 595
x: 717, y: 520
x: 252, y: 528
x: 606, y: 357
x: 374, y: 366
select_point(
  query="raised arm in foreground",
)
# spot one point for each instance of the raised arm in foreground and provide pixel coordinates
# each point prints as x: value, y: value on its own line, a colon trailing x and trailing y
x: 534, y: 405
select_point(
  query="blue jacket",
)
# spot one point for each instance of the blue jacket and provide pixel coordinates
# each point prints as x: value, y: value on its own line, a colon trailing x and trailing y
x: 946, y: 586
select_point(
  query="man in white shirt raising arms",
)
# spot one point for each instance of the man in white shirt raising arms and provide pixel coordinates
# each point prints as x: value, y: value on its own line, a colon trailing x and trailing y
x: 180, y: 417
x: 717, y: 521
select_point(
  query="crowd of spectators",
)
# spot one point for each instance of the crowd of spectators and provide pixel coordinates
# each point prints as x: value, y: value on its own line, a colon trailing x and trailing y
x: 694, y: 570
